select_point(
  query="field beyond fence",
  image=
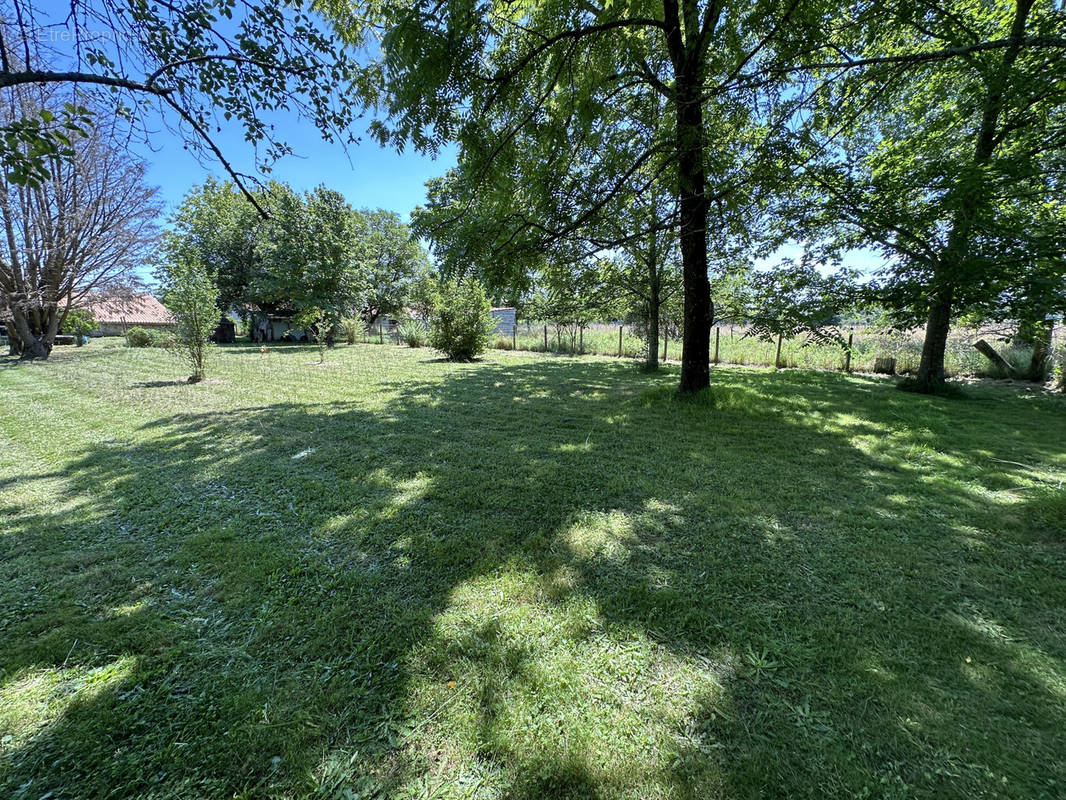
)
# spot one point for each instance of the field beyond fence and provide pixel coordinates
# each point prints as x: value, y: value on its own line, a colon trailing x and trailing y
x: 734, y: 346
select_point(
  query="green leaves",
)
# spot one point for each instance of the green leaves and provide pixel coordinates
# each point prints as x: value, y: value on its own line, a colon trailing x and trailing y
x: 190, y: 294
x: 310, y: 253
x: 461, y: 319
x: 203, y: 62
x: 793, y: 300
x: 314, y: 251
x: 28, y: 146
x: 944, y: 166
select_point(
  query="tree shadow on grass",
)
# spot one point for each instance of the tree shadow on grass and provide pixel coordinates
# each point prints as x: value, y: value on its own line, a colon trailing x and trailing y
x: 545, y: 579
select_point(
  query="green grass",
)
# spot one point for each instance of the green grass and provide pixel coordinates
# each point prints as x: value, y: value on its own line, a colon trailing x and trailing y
x: 528, y: 577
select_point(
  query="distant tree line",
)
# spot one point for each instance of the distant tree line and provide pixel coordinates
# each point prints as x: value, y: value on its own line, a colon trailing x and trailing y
x: 311, y: 256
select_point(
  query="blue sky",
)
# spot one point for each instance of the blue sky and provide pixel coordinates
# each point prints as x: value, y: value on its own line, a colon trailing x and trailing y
x: 366, y: 174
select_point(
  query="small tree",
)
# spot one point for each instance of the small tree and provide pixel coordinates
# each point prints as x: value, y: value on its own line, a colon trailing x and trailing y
x: 792, y: 301
x: 461, y: 320
x: 313, y: 319
x: 1061, y: 369
x: 192, y: 298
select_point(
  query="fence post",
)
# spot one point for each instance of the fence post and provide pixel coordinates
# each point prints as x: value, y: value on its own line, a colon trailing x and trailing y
x: 777, y: 358
x: 666, y: 342
x: 847, y: 353
x: 514, y: 336
x: 545, y: 338
x: 381, y: 334
x: 581, y: 340
x: 619, y: 341
x: 717, y: 333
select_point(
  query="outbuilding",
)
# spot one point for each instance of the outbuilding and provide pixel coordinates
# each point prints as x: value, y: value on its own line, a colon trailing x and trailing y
x: 114, y: 315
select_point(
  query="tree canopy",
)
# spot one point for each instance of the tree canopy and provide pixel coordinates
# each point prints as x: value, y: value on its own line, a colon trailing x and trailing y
x: 562, y: 110
x: 951, y: 167
x: 311, y: 251
x: 86, y: 227
x: 192, y: 66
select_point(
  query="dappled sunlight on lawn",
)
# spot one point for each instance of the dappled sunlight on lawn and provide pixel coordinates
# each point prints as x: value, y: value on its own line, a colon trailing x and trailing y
x: 525, y: 686
x: 32, y: 700
x: 527, y: 578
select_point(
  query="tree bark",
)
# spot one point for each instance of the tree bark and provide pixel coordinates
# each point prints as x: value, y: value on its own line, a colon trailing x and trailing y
x: 699, y: 310
x: 931, y: 368
x: 654, y: 304
x: 1038, y: 336
x: 652, y: 362
x: 35, y: 340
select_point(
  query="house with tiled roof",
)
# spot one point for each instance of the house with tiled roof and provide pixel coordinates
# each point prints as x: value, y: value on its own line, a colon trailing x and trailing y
x: 115, y: 315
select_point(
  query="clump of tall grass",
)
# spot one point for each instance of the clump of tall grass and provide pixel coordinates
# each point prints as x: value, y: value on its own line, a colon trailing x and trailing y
x: 414, y: 333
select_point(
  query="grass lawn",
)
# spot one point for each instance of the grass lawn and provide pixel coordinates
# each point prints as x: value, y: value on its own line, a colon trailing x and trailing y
x: 530, y: 577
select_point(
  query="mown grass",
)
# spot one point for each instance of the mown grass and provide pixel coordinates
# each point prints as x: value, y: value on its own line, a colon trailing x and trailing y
x: 528, y: 577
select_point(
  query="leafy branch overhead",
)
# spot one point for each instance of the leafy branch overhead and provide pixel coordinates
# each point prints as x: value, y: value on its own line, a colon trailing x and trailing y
x: 194, y: 66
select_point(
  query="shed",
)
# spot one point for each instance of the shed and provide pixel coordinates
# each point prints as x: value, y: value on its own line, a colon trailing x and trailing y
x: 226, y: 332
x: 505, y: 320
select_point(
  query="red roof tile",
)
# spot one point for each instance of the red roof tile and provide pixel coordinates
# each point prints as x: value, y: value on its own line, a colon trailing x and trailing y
x: 139, y: 309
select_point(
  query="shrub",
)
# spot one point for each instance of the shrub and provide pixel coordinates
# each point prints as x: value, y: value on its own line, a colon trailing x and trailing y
x: 138, y: 337
x: 80, y: 323
x: 415, y: 333
x: 352, y: 327
x: 164, y: 338
x: 461, y: 321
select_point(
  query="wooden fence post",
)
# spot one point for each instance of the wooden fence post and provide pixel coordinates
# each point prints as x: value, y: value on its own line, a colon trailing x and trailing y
x: 777, y: 358
x: 847, y: 353
x: 514, y: 336
x: 581, y: 340
x: 545, y: 338
x: 717, y: 334
x: 666, y: 341
x: 619, y: 341
x: 381, y: 334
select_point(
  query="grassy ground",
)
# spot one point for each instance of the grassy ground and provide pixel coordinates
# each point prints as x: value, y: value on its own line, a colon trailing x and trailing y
x: 530, y: 577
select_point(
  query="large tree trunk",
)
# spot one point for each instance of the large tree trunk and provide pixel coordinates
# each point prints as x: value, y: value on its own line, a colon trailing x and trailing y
x: 35, y: 343
x: 699, y: 310
x: 972, y: 197
x: 931, y: 369
x: 35, y: 331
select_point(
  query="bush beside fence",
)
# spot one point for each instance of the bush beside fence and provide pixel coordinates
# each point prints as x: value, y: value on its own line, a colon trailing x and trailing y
x: 734, y: 348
